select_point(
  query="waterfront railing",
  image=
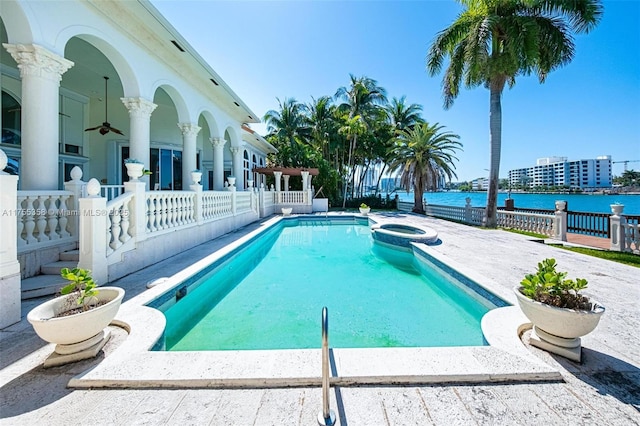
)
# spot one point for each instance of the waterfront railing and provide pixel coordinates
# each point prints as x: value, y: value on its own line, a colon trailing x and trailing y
x: 623, y: 231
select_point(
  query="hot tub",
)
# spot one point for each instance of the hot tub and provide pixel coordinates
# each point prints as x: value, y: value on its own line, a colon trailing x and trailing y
x: 402, y: 235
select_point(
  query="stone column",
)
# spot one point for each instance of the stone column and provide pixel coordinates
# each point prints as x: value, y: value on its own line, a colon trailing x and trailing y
x: 278, y: 176
x: 286, y: 182
x: 218, y: 163
x: 617, y: 223
x: 41, y: 72
x: 238, y: 165
x: 92, y: 239
x: 189, y: 135
x: 305, y: 180
x: 139, y: 128
x: 9, y: 266
x: 560, y: 221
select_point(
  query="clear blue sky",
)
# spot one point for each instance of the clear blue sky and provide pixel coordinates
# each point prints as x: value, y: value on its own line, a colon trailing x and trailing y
x: 300, y: 49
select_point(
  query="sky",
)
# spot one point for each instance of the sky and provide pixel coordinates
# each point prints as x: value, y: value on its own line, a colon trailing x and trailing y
x: 265, y: 50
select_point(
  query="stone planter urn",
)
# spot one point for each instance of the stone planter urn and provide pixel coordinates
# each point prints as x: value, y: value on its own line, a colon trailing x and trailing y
x: 286, y: 211
x: 79, y: 335
x: 196, y: 177
x: 617, y: 209
x: 558, y: 330
x: 134, y: 170
x: 232, y: 181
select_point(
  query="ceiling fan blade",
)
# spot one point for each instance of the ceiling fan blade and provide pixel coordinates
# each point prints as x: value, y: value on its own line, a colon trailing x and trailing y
x: 92, y: 128
x: 114, y: 130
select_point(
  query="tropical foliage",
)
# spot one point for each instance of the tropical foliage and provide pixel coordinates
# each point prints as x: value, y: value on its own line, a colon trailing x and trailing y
x: 493, y: 41
x: 424, y: 154
x: 346, y: 136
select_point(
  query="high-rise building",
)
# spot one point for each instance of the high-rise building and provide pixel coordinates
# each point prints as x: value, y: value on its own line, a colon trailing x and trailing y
x: 558, y: 171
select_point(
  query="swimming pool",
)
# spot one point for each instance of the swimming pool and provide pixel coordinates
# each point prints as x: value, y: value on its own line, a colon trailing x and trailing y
x: 268, y: 295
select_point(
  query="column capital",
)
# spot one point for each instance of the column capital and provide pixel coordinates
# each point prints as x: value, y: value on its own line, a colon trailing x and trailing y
x: 217, y: 142
x: 37, y: 61
x: 235, y: 149
x: 189, y: 129
x: 139, y: 107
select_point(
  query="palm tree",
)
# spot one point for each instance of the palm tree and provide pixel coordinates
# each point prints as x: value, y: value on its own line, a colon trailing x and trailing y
x: 401, y: 115
x: 362, y: 98
x: 493, y: 41
x: 289, y: 126
x: 425, y: 154
x: 322, y: 124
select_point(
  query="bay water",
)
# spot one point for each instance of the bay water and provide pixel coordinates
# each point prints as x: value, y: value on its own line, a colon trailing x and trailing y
x: 595, y: 203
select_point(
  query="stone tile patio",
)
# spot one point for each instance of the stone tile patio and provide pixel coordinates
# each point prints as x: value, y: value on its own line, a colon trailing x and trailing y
x: 604, y: 389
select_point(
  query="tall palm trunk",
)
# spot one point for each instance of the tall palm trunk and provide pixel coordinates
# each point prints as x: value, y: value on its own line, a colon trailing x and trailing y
x: 495, y: 129
x: 418, y: 191
x: 384, y: 166
x: 352, y: 146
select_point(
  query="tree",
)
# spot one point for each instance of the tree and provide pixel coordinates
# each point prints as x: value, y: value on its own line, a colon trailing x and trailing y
x: 425, y: 154
x: 401, y: 115
x: 493, y: 41
x: 362, y: 98
x: 288, y: 125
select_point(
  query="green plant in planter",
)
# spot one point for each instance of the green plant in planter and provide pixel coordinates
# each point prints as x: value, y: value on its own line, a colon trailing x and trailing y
x: 81, y: 283
x: 364, y: 206
x: 553, y: 288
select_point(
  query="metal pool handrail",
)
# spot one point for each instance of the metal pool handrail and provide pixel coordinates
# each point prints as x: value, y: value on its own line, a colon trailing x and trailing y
x: 326, y: 416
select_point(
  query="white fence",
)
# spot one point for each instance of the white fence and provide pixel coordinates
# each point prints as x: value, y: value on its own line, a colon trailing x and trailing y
x: 625, y: 236
x: 45, y: 218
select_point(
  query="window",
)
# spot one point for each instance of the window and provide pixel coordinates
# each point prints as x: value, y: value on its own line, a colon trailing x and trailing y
x: 11, y: 117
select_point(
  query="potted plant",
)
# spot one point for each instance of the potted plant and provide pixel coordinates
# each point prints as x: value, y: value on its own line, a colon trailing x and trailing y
x: 196, y: 176
x: 135, y: 168
x: 559, y: 312
x: 364, y: 209
x: 76, y: 320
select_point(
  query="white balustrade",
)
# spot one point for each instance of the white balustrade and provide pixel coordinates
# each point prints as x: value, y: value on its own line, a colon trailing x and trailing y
x: 169, y: 209
x: 111, y: 191
x: 243, y: 202
x: 631, y: 241
x: 119, y: 212
x: 530, y: 222
x: 290, y: 197
x: 43, y: 219
x: 216, y: 204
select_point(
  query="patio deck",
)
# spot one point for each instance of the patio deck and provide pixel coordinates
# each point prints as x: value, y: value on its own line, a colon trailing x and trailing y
x: 604, y: 389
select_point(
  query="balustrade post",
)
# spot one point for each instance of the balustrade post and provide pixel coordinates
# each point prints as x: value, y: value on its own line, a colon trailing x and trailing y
x: 234, y: 202
x: 198, y: 208
x: 9, y: 265
x: 77, y: 186
x: 137, y: 209
x: 560, y: 221
x: 93, y: 233
x: 617, y: 222
x: 467, y: 210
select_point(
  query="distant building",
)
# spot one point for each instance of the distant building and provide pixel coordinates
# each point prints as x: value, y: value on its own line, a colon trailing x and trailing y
x: 558, y: 171
x: 480, y: 184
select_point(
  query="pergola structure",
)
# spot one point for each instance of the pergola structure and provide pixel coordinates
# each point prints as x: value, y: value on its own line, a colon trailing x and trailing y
x: 286, y: 172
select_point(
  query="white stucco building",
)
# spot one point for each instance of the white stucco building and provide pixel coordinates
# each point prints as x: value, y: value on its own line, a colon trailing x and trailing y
x: 559, y: 171
x: 87, y: 84
x: 176, y: 114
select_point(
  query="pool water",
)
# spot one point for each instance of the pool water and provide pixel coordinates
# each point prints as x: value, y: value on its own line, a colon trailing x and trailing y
x: 271, y: 294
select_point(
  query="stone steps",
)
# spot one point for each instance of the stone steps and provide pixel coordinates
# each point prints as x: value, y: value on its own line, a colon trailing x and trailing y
x: 49, y: 282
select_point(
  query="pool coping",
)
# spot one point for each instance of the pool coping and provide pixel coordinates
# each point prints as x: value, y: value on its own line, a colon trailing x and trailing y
x: 133, y: 365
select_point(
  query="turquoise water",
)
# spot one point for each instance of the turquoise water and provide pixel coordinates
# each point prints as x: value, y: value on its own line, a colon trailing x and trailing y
x: 595, y: 203
x: 271, y: 297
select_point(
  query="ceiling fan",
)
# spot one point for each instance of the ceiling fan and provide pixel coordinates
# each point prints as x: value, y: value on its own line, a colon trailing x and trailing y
x: 105, y: 127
